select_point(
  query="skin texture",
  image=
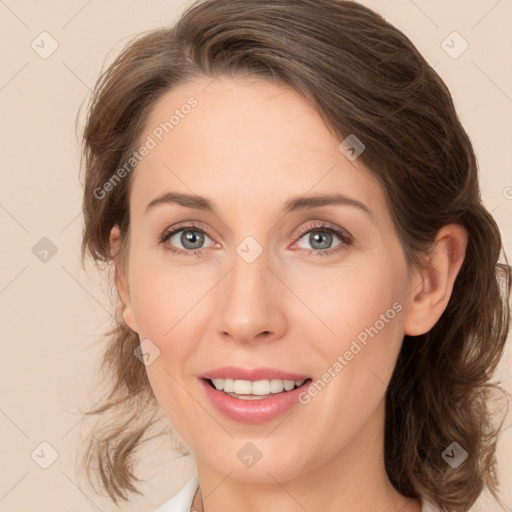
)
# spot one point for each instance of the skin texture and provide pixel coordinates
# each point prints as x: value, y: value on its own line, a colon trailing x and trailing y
x: 249, y: 146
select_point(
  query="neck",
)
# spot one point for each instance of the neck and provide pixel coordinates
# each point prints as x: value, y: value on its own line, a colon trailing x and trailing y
x: 353, y: 480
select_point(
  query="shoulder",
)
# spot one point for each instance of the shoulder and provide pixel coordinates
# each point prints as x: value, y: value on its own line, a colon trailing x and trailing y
x: 182, y: 501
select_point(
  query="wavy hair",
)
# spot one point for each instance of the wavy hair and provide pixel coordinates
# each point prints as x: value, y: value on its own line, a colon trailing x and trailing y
x: 364, y: 77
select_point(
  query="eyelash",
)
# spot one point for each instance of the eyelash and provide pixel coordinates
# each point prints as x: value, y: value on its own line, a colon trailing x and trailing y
x: 346, y: 239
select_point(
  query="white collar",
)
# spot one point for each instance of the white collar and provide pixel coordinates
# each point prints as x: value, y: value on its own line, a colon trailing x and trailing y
x: 182, y: 502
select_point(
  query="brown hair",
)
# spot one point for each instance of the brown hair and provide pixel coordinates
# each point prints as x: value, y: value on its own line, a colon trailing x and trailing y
x: 364, y: 77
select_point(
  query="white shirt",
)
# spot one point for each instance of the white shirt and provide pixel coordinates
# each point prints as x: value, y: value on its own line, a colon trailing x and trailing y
x: 182, y: 502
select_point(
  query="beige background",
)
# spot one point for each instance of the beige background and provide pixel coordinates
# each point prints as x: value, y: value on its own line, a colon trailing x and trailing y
x: 53, y: 313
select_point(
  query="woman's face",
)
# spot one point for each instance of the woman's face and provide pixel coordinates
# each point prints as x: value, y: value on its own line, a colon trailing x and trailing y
x: 271, y: 276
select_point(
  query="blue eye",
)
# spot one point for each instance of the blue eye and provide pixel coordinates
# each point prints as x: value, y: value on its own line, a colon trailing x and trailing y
x: 320, y: 237
x: 189, y: 240
x: 190, y: 237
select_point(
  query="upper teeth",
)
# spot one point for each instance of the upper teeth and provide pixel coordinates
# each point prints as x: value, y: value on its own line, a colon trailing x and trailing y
x: 259, y: 387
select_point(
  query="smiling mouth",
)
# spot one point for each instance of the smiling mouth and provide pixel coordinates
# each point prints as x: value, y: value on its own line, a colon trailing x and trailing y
x: 255, y: 390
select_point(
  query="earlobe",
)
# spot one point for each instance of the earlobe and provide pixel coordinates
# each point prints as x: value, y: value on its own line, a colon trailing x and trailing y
x: 433, y: 291
x: 121, y: 280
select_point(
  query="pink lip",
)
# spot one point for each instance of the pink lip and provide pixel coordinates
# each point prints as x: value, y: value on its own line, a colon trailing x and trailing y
x: 236, y: 373
x: 251, y: 411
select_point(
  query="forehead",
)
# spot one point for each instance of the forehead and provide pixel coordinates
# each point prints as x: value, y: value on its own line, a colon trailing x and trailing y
x: 245, y: 142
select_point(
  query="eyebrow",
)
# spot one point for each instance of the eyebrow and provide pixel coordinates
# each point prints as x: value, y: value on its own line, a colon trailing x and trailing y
x: 293, y: 204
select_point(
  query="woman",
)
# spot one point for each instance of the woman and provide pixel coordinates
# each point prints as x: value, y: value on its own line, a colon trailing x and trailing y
x: 308, y: 282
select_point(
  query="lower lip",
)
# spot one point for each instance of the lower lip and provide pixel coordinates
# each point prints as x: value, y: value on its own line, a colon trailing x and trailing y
x: 252, y: 411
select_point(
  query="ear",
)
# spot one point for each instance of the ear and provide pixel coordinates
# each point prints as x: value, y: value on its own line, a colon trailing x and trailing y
x: 121, y: 279
x: 433, y: 289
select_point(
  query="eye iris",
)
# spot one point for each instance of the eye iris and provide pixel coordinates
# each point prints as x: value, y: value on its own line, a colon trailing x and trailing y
x: 314, y: 238
x: 196, y: 238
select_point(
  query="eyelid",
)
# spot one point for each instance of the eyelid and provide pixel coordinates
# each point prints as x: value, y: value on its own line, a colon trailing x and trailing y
x: 183, y: 226
x: 345, y: 237
x: 319, y: 225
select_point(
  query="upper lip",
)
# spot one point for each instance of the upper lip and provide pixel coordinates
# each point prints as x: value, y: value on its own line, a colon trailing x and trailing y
x: 253, y: 374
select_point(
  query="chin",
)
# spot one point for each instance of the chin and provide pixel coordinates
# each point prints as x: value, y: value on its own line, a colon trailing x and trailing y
x: 261, y: 469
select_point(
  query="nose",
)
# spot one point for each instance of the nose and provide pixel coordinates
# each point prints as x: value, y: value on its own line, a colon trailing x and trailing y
x: 251, y: 303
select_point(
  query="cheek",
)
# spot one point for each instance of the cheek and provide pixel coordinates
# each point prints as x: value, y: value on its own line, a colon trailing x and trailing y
x: 164, y: 304
x: 373, y: 327
x: 164, y: 297
x: 362, y: 306
x: 353, y: 301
